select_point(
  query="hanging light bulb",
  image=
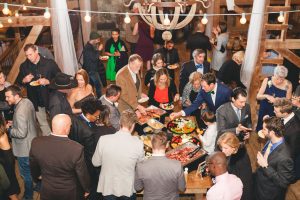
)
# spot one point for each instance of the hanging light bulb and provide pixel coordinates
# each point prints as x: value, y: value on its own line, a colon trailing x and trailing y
x: 1, y: 25
x: 166, y: 21
x: 243, y: 20
x: 5, y: 9
x: 47, y: 14
x: 24, y: 7
x: 204, y: 20
x: 9, y: 20
x: 281, y: 17
x: 28, y: 1
x: 17, y: 13
x: 127, y: 18
x: 87, y: 17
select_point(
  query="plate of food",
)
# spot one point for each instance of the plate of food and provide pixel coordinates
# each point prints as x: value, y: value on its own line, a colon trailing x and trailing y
x: 104, y: 57
x: 148, y: 130
x: 167, y: 106
x: 181, y: 126
x: 174, y: 66
x: 155, y: 125
x: 143, y: 99
x: 34, y: 83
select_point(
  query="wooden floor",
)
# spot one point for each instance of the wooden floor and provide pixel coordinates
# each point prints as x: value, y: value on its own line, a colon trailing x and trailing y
x: 253, y: 146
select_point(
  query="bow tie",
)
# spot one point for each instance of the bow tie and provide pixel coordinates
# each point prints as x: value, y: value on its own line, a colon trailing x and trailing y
x: 211, y: 92
x: 199, y: 66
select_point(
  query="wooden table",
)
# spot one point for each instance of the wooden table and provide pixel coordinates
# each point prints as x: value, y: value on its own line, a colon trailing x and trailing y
x: 197, y: 185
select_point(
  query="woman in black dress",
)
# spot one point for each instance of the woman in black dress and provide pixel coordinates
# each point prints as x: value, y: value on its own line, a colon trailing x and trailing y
x: 157, y: 63
x: 8, y: 161
x: 238, y: 162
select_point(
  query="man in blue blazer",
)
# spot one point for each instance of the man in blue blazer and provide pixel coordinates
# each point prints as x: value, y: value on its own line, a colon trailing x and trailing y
x: 213, y: 94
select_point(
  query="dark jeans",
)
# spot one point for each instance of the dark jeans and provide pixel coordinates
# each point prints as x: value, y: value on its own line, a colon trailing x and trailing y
x: 23, y: 163
x: 113, y: 197
x: 96, y: 81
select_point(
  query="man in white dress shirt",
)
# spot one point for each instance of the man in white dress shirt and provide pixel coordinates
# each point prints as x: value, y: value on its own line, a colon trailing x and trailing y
x: 118, y: 154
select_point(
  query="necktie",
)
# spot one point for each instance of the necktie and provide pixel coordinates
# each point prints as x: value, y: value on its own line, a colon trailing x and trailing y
x: 211, y: 92
x: 268, y: 150
x: 238, y: 113
x: 114, y: 105
x: 199, y: 66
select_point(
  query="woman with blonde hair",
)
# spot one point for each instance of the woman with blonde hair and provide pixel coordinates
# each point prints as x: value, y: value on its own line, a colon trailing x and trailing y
x: 229, y: 72
x: 271, y: 88
x: 162, y: 89
x: 238, y: 161
x: 7, y: 159
x: 81, y: 93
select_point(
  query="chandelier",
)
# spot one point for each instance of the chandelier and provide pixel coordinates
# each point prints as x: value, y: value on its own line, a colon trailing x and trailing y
x: 157, y: 12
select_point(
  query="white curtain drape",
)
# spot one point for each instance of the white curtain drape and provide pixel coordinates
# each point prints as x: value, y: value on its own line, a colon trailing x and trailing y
x: 253, y: 42
x: 86, y: 26
x: 210, y: 23
x: 62, y: 36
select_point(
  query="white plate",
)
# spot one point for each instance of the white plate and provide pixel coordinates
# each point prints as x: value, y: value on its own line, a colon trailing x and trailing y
x: 164, y: 106
x: 143, y: 99
x: 172, y: 66
x: 104, y: 57
x: 260, y: 134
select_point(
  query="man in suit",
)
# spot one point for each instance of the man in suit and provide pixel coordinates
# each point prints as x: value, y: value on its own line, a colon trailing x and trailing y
x: 283, y: 109
x: 212, y: 95
x: 60, y: 85
x: 276, y: 166
x: 158, y: 176
x: 198, y: 40
x: 22, y: 130
x: 118, y: 154
x: 111, y: 97
x: 129, y: 80
x: 43, y: 70
x: 235, y: 116
x: 197, y: 64
x: 60, y: 163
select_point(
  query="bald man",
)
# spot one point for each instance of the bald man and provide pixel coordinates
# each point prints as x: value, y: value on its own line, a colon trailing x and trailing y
x: 60, y: 163
x: 227, y: 186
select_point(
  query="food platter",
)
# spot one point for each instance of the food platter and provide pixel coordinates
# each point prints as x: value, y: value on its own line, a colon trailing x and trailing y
x: 151, y: 112
x: 167, y: 106
x: 181, y: 126
x: 155, y: 125
x: 174, y: 66
x: 34, y: 83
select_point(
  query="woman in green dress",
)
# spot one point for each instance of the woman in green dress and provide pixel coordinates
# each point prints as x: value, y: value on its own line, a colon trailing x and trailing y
x: 116, y: 49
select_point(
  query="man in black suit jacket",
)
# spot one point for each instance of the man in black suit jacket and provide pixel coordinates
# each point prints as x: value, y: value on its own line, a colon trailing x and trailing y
x: 235, y: 116
x: 60, y: 163
x: 283, y: 109
x: 198, y: 40
x: 276, y: 166
x: 197, y: 64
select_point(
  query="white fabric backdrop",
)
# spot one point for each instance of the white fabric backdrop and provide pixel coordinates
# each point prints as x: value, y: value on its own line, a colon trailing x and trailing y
x: 253, y: 42
x: 86, y: 26
x: 63, y: 44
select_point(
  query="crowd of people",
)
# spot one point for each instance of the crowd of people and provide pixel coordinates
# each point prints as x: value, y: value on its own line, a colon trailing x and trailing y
x: 90, y: 149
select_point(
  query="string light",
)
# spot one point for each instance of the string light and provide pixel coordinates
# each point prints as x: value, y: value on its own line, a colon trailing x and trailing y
x: 17, y: 13
x: 9, y: 20
x: 243, y: 20
x: 166, y: 21
x: 204, y: 20
x: 5, y: 9
x: 47, y: 14
x: 24, y: 7
x: 1, y: 25
x: 28, y: 1
x: 87, y: 17
x: 127, y: 18
x: 280, y: 17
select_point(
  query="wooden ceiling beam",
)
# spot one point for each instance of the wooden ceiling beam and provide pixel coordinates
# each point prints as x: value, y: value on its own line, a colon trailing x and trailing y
x: 289, y: 55
x: 277, y: 27
x: 288, y: 44
x: 23, y: 21
x: 278, y: 8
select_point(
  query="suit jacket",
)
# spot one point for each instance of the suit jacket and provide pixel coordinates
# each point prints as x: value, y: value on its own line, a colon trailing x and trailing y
x: 60, y: 162
x: 24, y: 128
x: 58, y: 104
x: 227, y: 119
x: 186, y: 70
x: 117, y: 154
x: 271, y: 182
x: 160, y: 177
x: 129, y: 95
x: 223, y: 95
x: 292, y: 138
x: 239, y: 164
x: 48, y: 69
x: 114, y: 115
